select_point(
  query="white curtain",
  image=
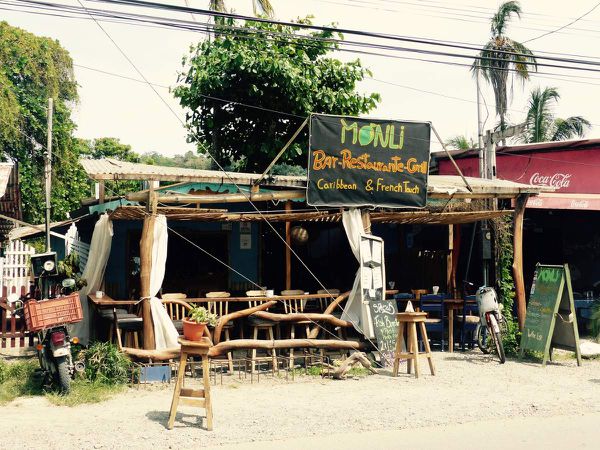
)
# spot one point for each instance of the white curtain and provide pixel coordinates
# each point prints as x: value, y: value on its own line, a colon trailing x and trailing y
x: 356, y: 311
x: 165, y: 333
x: 94, y: 273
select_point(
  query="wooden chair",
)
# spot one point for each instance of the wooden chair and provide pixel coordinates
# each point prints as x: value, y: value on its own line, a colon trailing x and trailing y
x: 127, y: 325
x: 257, y: 325
x: 221, y: 309
x: 291, y: 306
x: 177, y: 309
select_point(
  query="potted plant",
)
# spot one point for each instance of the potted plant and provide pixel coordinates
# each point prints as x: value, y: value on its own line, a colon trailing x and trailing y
x: 196, y: 321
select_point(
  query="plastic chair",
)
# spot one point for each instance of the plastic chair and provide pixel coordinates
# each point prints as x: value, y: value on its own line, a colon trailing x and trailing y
x: 435, y: 322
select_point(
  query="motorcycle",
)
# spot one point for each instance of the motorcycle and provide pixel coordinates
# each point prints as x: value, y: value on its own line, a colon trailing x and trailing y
x: 54, y: 341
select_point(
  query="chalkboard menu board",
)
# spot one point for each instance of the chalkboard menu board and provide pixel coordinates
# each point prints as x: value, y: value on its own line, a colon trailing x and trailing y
x: 385, y: 325
x: 550, y: 321
x: 367, y: 162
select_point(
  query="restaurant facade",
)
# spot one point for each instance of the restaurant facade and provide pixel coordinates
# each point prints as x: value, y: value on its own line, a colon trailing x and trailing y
x: 559, y: 227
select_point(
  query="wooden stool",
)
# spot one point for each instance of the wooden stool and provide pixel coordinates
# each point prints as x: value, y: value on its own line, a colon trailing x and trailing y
x: 195, y: 397
x: 412, y: 319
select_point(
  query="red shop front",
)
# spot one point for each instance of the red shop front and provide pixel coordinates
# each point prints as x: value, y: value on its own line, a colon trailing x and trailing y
x: 560, y: 227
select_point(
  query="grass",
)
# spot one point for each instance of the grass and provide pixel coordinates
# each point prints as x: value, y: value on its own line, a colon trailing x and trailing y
x: 19, y: 379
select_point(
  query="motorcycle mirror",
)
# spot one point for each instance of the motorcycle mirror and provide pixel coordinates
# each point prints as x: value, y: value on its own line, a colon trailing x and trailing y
x: 68, y: 283
x: 12, y: 298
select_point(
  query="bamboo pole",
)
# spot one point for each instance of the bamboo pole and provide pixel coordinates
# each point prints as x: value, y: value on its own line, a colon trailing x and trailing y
x: 146, y: 242
x: 220, y: 198
x: 288, y: 247
x: 517, y: 267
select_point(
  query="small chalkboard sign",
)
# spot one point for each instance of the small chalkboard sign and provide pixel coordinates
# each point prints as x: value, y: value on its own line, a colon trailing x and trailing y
x: 550, y: 321
x: 385, y: 326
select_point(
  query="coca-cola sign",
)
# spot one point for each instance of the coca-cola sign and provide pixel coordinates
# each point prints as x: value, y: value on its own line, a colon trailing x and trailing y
x: 556, y: 180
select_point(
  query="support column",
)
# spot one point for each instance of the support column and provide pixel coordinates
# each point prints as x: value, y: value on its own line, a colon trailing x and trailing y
x: 449, y: 261
x: 288, y: 251
x: 366, y: 220
x: 517, y: 267
x: 146, y: 243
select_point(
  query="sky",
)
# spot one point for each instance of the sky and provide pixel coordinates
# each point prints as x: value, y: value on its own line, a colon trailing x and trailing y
x: 445, y: 95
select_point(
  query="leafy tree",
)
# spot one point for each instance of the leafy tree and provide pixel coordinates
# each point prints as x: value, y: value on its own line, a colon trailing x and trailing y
x: 189, y: 160
x: 501, y: 55
x: 32, y: 69
x: 287, y: 73
x: 461, y: 143
x: 107, y: 147
x: 542, y: 125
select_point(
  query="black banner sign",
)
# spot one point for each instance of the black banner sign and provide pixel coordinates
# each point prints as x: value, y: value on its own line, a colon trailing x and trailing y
x: 367, y: 162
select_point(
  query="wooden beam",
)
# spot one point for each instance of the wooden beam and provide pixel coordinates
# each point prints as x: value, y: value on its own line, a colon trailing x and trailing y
x: 449, y: 260
x: 366, y: 220
x: 517, y: 267
x: 101, y: 192
x: 288, y: 251
x: 221, y: 198
x: 146, y: 243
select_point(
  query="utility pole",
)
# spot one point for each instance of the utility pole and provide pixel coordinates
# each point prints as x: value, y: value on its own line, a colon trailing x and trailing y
x: 479, y: 127
x: 489, y: 172
x: 48, y: 173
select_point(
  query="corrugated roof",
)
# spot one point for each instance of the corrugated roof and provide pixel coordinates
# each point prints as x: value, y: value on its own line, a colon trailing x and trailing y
x: 112, y: 169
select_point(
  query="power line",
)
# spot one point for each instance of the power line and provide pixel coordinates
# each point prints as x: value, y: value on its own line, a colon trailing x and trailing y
x: 564, y: 26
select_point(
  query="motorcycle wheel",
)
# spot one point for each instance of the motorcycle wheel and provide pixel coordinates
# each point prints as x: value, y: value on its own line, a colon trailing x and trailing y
x: 497, y: 337
x: 63, y: 377
x: 481, y: 333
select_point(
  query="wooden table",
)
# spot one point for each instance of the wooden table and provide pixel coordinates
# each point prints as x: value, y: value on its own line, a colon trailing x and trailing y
x: 108, y: 302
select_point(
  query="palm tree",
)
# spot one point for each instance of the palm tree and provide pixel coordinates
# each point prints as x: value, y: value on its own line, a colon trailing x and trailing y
x: 543, y: 126
x: 258, y: 6
x: 501, y: 55
x: 460, y: 143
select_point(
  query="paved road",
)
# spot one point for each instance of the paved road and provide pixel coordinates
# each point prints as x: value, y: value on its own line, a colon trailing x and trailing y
x: 557, y: 432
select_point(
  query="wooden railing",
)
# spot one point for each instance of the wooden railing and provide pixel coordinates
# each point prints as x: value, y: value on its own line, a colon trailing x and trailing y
x: 13, y: 333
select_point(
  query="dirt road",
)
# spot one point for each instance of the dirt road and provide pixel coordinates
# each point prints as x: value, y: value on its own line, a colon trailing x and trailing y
x: 468, y: 389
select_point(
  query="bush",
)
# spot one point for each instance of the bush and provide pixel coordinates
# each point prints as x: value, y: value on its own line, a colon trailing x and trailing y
x: 104, y: 363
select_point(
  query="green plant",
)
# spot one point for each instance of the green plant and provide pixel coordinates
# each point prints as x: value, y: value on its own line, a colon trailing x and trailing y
x: 505, y: 283
x: 18, y: 379
x: 104, y: 363
x: 70, y: 268
x: 200, y: 314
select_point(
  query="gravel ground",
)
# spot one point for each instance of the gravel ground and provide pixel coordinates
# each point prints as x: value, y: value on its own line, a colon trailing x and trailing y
x: 467, y: 388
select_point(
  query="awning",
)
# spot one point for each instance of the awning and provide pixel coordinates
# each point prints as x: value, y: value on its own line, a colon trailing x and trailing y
x: 589, y: 202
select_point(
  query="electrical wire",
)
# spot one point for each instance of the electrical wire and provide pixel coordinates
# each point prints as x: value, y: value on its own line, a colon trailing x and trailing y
x: 564, y: 26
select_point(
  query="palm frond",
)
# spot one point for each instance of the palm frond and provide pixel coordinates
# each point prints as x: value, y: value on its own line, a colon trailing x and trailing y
x: 575, y: 126
x: 460, y: 143
x: 217, y: 5
x: 502, y: 16
x: 264, y: 7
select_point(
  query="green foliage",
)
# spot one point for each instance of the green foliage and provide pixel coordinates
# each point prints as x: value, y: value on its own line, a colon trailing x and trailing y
x: 284, y: 73
x: 502, y: 56
x: 543, y: 125
x: 17, y: 379
x: 461, y: 143
x: 259, y: 7
x: 105, y: 364
x: 287, y: 169
x: 69, y: 268
x: 188, y: 160
x: 200, y: 314
x: 595, y: 321
x: 32, y: 69
x: 504, y: 259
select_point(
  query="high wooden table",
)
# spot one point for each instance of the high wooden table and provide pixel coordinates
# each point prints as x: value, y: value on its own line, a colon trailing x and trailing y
x: 194, y: 397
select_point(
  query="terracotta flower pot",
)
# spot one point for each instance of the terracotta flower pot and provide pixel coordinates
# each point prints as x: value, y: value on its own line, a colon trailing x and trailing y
x: 193, y: 331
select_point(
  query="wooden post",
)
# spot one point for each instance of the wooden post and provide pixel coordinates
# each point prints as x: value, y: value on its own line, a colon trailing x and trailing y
x: 146, y: 243
x: 449, y: 261
x: 366, y: 220
x: 288, y: 251
x: 517, y: 267
x: 101, y: 192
